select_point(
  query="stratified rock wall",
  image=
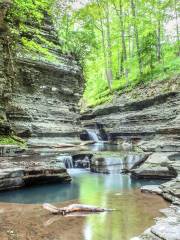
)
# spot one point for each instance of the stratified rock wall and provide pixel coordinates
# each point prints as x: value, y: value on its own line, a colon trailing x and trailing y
x: 153, y: 122
x: 4, y: 83
x: 40, y: 91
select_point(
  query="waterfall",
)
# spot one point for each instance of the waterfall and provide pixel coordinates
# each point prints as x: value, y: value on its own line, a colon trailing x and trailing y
x: 93, y: 135
x: 66, y: 160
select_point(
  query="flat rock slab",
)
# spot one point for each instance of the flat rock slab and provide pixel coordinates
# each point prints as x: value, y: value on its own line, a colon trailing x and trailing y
x: 152, y: 189
x: 165, y: 228
x: 168, y: 229
x: 171, y: 190
x: 12, y: 178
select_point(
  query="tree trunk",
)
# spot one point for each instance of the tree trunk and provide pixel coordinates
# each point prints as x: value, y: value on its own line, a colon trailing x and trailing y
x: 177, y: 27
x: 124, y: 52
x: 129, y: 38
x: 159, y: 41
x: 106, y: 56
x: 109, y: 47
x: 74, y: 208
x: 133, y: 8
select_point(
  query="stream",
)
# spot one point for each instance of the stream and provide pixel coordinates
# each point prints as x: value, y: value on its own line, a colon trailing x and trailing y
x: 135, y: 211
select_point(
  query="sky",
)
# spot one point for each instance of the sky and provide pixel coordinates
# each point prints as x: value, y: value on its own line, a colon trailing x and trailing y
x: 79, y: 3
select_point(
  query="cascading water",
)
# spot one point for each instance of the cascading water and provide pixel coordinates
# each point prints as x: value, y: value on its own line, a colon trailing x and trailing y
x: 66, y: 160
x: 93, y: 135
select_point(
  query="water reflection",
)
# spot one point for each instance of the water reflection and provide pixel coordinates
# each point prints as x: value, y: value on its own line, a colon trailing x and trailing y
x: 135, y: 211
x: 118, y: 192
x: 84, y: 185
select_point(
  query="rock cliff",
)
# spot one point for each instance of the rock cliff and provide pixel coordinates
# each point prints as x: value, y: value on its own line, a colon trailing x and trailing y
x: 151, y: 122
x: 39, y: 90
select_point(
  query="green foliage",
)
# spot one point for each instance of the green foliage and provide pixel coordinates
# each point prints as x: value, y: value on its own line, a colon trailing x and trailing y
x: 29, y: 10
x: 12, y: 140
x: 31, y: 45
x: 81, y: 32
x: 25, y: 18
x: 77, y: 34
x: 148, y: 51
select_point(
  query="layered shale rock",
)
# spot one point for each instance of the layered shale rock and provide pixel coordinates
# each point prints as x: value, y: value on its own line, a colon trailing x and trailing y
x: 5, y: 128
x: 115, y: 163
x: 22, y: 171
x: 152, y: 122
x: 158, y: 166
x: 167, y: 228
x: 40, y: 90
x: 18, y: 177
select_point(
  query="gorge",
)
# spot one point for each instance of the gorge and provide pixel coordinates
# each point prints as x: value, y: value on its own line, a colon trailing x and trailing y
x: 112, y: 155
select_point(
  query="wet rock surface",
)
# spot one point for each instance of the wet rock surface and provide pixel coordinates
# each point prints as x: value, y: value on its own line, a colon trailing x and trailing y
x: 167, y: 228
x: 151, y: 189
x: 158, y: 165
x: 10, y: 150
x: 18, y: 177
x: 115, y: 163
x: 152, y: 123
x: 26, y: 170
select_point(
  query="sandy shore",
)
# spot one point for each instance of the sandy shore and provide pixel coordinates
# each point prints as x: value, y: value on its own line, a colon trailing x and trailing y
x: 32, y: 222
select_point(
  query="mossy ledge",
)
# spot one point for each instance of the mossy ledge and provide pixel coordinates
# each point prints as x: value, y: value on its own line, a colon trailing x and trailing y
x: 12, y: 140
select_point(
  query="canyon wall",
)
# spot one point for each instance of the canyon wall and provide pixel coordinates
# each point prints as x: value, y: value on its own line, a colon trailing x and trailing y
x: 148, y: 116
x: 39, y: 90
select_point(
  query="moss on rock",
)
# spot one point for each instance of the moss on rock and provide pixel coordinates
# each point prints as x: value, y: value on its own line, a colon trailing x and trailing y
x: 12, y: 140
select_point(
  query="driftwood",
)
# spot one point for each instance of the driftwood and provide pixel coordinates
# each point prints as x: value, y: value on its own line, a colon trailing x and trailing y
x: 74, y: 208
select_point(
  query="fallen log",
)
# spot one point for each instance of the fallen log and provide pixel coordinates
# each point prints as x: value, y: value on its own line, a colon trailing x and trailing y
x: 74, y: 208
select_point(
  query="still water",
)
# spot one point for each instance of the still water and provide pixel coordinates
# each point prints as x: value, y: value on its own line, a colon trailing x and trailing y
x: 84, y: 186
x: 135, y: 211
